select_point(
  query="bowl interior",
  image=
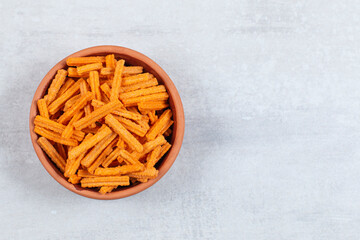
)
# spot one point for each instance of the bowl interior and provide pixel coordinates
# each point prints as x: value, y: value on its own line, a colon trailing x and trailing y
x: 131, y: 58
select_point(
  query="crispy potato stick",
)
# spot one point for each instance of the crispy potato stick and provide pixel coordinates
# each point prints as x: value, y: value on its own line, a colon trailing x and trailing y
x: 78, y: 61
x: 147, y: 173
x: 128, y: 157
x: 71, y: 102
x: 111, y: 157
x: 143, y: 92
x: 96, y: 151
x: 56, y: 127
x: 68, y: 83
x: 106, y: 89
x: 105, y: 181
x: 129, y: 102
x: 119, y: 112
x: 167, y: 133
x: 104, y: 98
x: 164, y: 149
x: 87, y: 144
x: 141, y: 85
x: 72, y: 165
x: 55, y: 86
x: 133, y: 70
x: 87, y: 108
x: 99, y: 160
x: 106, y: 71
x: 91, y: 130
x: 97, y: 114
x: 74, y: 179
x: 104, y: 190
x: 166, y: 127
x: 69, y: 129
x: 116, y: 84
x: 57, y: 103
x: 78, y: 105
x: 135, y: 79
x: 153, y: 157
x: 54, y: 136
x: 41, y: 103
x: 152, y: 116
x: 159, y: 124
x: 96, y: 103
x: 149, y: 146
x: 85, y: 173
x: 95, y: 84
x: 89, y: 67
x: 131, y: 126
x: 123, y: 133
x: 150, y: 106
x: 61, y: 150
x: 110, y: 61
x: 72, y: 72
x: 119, y: 170
x: 52, y: 153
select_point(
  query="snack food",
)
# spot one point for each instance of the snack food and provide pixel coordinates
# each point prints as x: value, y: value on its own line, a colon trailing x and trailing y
x: 123, y: 112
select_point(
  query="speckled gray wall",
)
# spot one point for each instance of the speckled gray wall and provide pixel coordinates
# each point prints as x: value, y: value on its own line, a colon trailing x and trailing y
x: 271, y: 97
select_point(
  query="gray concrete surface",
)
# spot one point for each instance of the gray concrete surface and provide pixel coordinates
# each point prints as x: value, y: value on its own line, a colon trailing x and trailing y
x: 271, y: 97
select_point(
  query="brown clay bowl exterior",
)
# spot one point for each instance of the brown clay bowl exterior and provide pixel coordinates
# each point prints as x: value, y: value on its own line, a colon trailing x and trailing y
x: 132, y: 58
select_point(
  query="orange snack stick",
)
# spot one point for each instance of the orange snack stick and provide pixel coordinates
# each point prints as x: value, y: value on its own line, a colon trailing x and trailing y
x: 128, y: 157
x: 72, y: 165
x: 95, y: 84
x: 151, y: 106
x: 97, y: 114
x: 141, y: 85
x: 143, y: 92
x: 129, y: 102
x: 104, y: 98
x: 123, y: 133
x: 153, y: 157
x: 120, y: 144
x: 118, y: 170
x: 104, y: 189
x: 55, y: 86
x: 71, y: 102
x: 91, y: 130
x: 127, y: 114
x: 166, y: 127
x: 100, y: 159
x: 159, y: 125
x: 68, y: 83
x: 69, y: 129
x: 150, y: 173
x: 149, y: 146
x: 106, y: 89
x: 96, y: 151
x: 74, y: 179
x: 52, y: 153
x: 164, y: 149
x: 110, y: 61
x: 42, y: 107
x: 79, y: 104
x: 105, y: 181
x: 87, y: 108
x: 89, y: 67
x: 97, y: 103
x: 111, y: 157
x: 61, y: 150
x: 135, y: 79
x: 131, y: 126
x: 132, y: 70
x: 85, y: 173
x: 56, y: 127
x: 116, y: 84
x: 89, y: 143
x: 106, y: 71
x: 72, y: 72
x: 78, y: 61
x: 54, y: 136
x: 152, y: 116
x: 57, y: 103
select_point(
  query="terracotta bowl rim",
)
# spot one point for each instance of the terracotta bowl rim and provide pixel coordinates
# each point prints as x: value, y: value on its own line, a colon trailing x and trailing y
x: 178, y: 127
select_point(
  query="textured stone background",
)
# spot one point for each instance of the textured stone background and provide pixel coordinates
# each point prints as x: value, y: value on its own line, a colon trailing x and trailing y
x: 271, y: 97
